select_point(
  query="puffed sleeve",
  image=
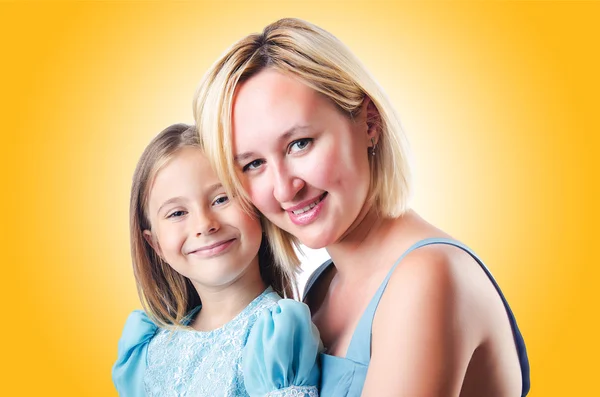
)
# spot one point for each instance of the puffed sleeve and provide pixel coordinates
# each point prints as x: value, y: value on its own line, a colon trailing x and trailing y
x: 280, y: 357
x: 128, y: 371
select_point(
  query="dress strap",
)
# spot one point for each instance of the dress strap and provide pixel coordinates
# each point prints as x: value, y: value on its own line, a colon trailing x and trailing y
x: 358, y: 350
x: 314, y: 277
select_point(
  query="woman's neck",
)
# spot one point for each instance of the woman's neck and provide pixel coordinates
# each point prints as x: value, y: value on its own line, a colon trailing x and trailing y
x: 363, y: 247
x: 221, y: 304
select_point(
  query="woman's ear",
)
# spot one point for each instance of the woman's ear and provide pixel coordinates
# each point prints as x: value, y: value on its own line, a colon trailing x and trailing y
x: 373, y: 121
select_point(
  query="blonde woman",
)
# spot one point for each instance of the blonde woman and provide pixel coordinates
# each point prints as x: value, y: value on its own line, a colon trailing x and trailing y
x: 215, y: 323
x: 297, y: 127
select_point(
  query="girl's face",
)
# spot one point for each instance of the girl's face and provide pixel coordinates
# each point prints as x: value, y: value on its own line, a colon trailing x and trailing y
x: 302, y: 161
x: 196, y: 228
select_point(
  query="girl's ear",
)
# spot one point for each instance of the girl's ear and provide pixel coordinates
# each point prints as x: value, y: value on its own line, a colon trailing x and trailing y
x: 153, y: 242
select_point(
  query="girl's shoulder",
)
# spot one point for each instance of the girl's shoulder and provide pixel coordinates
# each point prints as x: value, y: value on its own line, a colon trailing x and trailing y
x: 281, y: 351
x: 128, y: 371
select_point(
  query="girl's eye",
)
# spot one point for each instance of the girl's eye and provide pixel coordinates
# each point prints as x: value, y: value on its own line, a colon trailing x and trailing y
x: 221, y: 200
x: 176, y: 214
x: 253, y: 165
x: 299, y: 145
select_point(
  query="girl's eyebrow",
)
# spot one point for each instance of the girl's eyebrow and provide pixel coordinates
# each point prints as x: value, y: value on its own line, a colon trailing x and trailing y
x: 296, y: 129
x: 169, y: 201
x: 211, y: 189
x: 215, y: 186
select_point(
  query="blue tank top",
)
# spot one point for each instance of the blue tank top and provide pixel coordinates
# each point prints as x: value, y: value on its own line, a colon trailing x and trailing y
x: 345, y: 376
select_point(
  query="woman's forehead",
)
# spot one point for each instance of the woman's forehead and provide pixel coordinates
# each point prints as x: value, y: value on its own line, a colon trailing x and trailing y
x: 274, y: 104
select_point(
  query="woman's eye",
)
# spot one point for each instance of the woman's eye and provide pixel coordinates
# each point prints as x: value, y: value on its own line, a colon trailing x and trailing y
x: 253, y: 165
x: 221, y: 200
x: 176, y: 214
x: 299, y: 145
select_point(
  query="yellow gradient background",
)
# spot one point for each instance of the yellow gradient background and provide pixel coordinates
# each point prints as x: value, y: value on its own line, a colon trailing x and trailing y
x: 500, y: 101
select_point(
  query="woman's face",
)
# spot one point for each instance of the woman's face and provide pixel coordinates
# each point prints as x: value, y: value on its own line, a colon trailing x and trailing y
x: 302, y: 161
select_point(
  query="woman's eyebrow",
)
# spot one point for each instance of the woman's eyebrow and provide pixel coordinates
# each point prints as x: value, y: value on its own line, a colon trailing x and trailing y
x: 294, y: 130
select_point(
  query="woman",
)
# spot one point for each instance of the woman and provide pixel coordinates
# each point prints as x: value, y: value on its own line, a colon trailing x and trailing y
x: 296, y: 126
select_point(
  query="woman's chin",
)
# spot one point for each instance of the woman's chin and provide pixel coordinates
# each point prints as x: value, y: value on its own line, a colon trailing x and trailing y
x: 315, y: 242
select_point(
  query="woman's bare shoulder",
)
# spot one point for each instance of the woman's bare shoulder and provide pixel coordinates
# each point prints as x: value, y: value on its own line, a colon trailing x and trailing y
x: 423, y: 328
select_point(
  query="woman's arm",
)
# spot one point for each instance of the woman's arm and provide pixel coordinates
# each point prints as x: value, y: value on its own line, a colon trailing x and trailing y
x: 423, y: 334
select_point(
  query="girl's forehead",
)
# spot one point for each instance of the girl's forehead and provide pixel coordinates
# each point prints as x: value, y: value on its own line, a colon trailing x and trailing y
x: 187, y: 172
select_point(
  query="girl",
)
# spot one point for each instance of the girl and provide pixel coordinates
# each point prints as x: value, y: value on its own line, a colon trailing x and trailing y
x: 216, y: 325
x: 297, y: 127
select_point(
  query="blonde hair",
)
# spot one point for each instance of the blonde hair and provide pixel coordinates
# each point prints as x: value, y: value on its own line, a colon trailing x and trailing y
x: 318, y: 59
x: 166, y: 295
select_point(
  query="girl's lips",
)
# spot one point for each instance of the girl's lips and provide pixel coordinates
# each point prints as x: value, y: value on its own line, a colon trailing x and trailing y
x: 213, y: 249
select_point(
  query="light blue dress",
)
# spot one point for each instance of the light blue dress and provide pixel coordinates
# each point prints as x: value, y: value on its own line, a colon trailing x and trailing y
x: 345, y: 376
x: 269, y: 349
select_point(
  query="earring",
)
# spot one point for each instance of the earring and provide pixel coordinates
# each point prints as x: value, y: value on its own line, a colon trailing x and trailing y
x: 373, y: 147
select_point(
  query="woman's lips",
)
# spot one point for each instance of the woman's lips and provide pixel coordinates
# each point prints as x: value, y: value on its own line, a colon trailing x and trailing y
x: 307, y: 212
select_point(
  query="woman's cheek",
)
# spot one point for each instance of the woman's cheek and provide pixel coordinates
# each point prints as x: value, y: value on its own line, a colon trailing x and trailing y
x: 261, y: 196
x: 252, y: 189
x: 320, y: 168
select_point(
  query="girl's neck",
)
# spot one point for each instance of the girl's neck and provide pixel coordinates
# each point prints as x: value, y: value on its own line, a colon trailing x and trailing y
x: 222, y: 304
